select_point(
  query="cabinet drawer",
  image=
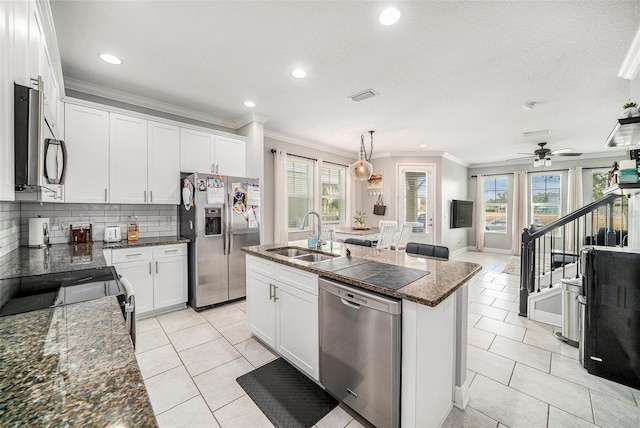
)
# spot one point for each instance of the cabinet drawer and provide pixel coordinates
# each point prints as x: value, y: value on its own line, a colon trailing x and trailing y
x: 299, y: 279
x: 162, y: 251
x: 131, y: 254
x: 262, y: 266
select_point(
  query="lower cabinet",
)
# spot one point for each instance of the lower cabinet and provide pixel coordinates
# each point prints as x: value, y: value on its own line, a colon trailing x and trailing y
x: 282, y: 310
x: 158, y: 275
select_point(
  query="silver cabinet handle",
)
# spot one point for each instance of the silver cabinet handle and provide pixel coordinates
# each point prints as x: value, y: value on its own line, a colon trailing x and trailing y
x: 134, y: 255
x: 191, y: 224
x: 145, y: 196
x: 151, y: 194
x: 156, y: 267
x: 270, y: 291
x: 149, y: 268
x: 105, y: 195
x: 170, y: 251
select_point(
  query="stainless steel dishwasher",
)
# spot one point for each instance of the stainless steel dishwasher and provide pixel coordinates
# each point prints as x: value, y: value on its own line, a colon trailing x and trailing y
x: 360, y: 351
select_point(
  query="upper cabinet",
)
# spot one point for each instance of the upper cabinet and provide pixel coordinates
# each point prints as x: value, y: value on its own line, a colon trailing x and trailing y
x: 163, y: 167
x: 127, y: 159
x: 6, y: 102
x: 87, y: 138
x: 207, y: 152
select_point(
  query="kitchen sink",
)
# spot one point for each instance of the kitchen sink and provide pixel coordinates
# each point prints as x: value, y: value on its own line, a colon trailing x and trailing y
x: 315, y: 257
x: 290, y: 251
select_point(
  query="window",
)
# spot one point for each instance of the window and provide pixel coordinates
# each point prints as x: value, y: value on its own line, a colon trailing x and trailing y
x: 546, y: 201
x: 333, y: 193
x: 299, y: 190
x: 417, y: 197
x: 599, y: 217
x: 495, y: 204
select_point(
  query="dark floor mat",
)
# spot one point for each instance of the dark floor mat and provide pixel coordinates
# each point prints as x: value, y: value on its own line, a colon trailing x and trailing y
x: 286, y: 396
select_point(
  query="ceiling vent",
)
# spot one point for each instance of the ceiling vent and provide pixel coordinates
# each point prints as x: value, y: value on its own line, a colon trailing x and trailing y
x: 361, y: 96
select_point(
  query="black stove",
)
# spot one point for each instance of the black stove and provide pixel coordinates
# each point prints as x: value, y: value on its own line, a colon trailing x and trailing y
x: 30, y: 293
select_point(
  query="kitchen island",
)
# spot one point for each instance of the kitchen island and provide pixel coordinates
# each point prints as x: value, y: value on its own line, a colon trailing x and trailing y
x: 434, y: 308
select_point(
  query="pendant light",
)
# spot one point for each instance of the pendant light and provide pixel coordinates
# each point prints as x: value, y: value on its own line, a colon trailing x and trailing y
x: 362, y: 169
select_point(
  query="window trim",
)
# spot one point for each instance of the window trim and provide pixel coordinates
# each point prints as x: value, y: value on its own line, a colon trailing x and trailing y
x: 311, y: 183
x: 559, y: 174
x: 342, y: 191
x: 506, y: 205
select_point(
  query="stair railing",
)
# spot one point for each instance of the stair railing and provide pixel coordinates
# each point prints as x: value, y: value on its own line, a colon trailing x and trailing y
x: 535, y: 272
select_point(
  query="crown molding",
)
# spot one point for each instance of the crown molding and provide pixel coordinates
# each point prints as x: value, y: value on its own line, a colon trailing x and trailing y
x: 408, y: 154
x: 268, y: 133
x: 631, y: 63
x: 251, y: 117
x: 454, y: 159
x: 126, y: 97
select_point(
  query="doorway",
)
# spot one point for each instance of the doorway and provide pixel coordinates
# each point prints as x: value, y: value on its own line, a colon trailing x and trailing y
x: 416, y: 200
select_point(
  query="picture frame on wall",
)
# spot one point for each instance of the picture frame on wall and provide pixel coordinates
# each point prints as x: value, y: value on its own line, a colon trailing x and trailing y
x: 375, y: 182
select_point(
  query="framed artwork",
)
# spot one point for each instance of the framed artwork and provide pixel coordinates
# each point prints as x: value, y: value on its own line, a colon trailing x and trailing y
x: 375, y: 182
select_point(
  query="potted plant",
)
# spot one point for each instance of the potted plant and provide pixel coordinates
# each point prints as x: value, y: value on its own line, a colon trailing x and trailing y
x: 360, y: 218
x: 630, y: 110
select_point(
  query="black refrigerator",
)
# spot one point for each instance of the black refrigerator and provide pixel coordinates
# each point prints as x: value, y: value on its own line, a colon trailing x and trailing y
x: 220, y: 215
x: 612, y: 315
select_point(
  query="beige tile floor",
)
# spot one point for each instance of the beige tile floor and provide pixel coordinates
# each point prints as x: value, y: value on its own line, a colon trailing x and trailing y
x: 521, y: 375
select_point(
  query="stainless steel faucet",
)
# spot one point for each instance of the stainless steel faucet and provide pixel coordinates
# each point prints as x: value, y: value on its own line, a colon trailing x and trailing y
x: 319, y: 240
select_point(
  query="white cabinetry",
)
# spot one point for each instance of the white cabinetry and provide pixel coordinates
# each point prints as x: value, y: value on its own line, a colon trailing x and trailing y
x: 87, y: 139
x: 6, y: 102
x: 282, y: 310
x: 163, y: 164
x: 128, y: 159
x: 196, y: 151
x: 158, y: 276
x: 207, y: 152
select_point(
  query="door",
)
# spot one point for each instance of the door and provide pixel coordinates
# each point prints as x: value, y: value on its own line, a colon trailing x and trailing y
x: 140, y: 275
x: 87, y: 139
x: 196, y: 151
x: 163, y: 164
x: 243, y: 231
x: 416, y: 200
x: 297, y: 328
x: 169, y: 286
x: 229, y: 155
x: 261, y: 309
x: 212, y: 284
x: 128, y: 155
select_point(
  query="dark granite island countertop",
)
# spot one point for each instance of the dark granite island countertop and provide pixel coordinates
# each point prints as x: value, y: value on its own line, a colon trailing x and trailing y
x: 71, y: 366
x: 444, y: 278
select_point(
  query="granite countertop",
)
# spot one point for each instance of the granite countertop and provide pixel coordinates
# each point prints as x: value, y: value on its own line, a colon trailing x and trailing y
x: 71, y: 366
x: 26, y: 261
x: 445, y: 276
x: 146, y: 242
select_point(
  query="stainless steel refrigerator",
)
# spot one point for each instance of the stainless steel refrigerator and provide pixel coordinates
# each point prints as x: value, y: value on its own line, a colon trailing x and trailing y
x: 220, y: 215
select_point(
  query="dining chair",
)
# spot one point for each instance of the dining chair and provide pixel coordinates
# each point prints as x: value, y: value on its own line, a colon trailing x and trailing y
x: 387, y: 233
x: 403, y: 236
x: 384, y: 222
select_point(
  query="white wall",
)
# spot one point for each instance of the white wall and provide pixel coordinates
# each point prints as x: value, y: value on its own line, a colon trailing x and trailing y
x: 454, y: 186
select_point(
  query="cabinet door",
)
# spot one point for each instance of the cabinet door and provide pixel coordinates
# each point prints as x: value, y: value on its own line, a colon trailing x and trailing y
x: 261, y: 309
x: 140, y: 275
x: 87, y: 139
x: 169, y: 282
x: 196, y: 150
x: 163, y: 164
x: 297, y: 329
x: 128, y: 159
x: 229, y: 156
x: 6, y: 103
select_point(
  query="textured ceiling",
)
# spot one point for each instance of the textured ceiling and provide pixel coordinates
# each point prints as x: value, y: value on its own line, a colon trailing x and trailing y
x: 451, y: 75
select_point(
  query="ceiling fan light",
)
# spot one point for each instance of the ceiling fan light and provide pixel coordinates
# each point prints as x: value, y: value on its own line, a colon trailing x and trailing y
x: 547, y: 162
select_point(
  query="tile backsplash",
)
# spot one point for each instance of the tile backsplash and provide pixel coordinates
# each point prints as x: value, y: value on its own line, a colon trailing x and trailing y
x: 9, y: 227
x: 153, y: 220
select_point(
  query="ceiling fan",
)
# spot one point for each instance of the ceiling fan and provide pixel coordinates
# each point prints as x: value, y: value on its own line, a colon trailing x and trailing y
x: 542, y: 156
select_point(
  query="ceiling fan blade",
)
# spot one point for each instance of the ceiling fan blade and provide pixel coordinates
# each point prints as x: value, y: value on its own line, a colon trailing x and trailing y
x: 570, y: 154
x: 521, y: 158
x: 528, y: 154
x: 565, y: 150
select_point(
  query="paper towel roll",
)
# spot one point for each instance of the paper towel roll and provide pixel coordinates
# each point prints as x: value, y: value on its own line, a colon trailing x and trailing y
x: 37, y: 228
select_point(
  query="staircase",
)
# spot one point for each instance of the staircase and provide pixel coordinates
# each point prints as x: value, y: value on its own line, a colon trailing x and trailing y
x: 552, y: 253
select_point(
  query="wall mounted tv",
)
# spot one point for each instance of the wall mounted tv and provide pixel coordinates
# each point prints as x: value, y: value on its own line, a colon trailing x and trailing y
x: 461, y: 213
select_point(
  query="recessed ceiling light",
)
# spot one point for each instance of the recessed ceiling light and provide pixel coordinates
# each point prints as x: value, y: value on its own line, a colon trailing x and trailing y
x: 249, y: 104
x: 422, y: 146
x: 299, y: 73
x: 389, y: 16
x: 111, y: 59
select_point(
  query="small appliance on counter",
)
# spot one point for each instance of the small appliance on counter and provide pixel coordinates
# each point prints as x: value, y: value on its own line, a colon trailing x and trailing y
x: 112, y: 234
x: 38, y: 232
